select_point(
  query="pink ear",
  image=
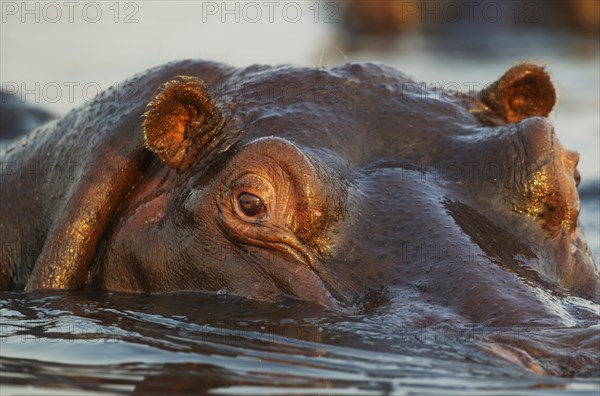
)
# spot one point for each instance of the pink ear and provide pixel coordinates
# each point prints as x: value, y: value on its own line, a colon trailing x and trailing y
x: 180, y: 122
x: 523, y: 91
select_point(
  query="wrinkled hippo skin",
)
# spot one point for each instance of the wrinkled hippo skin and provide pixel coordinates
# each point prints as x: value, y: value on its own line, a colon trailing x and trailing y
x: 350, y: 187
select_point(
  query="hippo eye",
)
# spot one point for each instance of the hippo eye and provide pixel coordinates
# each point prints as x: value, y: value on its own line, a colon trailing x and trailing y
x: 250, y: 204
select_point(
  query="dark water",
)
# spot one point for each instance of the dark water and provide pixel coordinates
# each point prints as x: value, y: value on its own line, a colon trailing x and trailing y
x: 76, y: 343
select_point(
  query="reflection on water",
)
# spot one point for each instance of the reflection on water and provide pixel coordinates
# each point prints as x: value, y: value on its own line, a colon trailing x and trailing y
x: 189, y: 343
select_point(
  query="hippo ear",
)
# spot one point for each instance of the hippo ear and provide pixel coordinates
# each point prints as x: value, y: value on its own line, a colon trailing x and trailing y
x: 523, y: 91
x: 181, y: 122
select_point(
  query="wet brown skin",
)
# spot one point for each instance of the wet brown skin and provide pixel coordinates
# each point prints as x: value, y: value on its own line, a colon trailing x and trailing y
x: 319, y: 184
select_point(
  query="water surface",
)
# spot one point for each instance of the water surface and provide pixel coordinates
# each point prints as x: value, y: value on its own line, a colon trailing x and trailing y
x: 186, y: 343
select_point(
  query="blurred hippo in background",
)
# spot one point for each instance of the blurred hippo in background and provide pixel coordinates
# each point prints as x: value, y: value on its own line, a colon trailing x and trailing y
x: 18, y: 118
x: 465, y: 18
x: 354, y: 187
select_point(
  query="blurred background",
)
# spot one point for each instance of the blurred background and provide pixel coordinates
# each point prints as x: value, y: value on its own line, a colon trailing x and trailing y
x: 61, y: 54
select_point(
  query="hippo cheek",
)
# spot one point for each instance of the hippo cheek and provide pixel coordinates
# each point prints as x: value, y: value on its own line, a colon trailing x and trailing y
x: 273, y: 263
x: 272, y: 274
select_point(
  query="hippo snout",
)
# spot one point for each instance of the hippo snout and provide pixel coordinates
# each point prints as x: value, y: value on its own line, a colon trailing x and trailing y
x: 549, y: 189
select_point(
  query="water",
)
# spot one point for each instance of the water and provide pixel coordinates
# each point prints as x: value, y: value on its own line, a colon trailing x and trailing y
x: 73, y: 343
x: 105, y: 343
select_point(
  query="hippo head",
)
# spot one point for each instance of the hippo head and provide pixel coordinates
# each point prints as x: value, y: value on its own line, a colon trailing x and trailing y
x: 327, y: 185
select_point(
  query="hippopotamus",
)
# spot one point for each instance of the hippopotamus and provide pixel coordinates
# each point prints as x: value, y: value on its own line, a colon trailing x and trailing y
x: 346, y: 187
x: 19, y: 118
x: 463, y: 18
